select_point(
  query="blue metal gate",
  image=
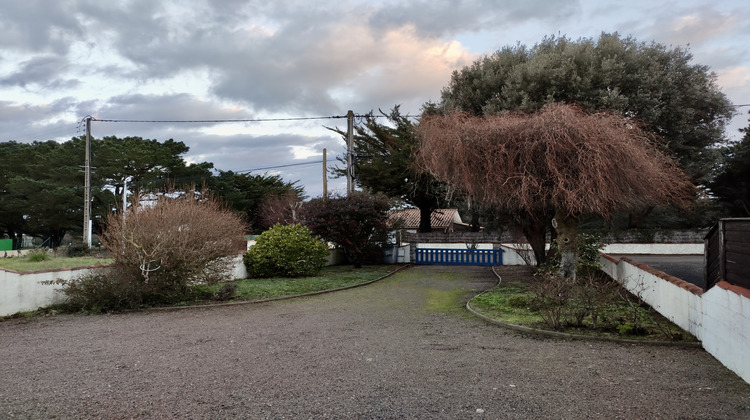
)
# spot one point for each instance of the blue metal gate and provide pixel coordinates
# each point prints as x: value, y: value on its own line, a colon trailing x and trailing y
x: 458, y: 256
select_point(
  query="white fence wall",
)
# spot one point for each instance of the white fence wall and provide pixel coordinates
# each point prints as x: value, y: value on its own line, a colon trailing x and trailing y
x: 20, y: 292
x: 719, y: 317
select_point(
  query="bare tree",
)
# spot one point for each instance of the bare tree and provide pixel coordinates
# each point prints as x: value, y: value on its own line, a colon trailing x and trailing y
x: 559, y: 160
x: 281, y: 208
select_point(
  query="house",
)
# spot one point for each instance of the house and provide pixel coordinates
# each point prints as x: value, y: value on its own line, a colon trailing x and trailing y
x: 442, y: 220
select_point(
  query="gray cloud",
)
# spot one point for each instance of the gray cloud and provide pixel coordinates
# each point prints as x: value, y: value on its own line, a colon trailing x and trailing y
x: 43, y: 71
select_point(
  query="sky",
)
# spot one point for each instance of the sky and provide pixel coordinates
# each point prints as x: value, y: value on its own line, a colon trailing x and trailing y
x: 61, y: 61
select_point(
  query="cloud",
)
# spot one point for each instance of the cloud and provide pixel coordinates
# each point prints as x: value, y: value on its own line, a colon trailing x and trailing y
x: 42, y: 71
x: 39, y: 26
x: 444, y: 18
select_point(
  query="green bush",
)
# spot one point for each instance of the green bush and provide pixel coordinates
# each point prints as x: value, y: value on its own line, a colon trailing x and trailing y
x: 38, y: 255
x: 286, y: 251
x: 588, y: 257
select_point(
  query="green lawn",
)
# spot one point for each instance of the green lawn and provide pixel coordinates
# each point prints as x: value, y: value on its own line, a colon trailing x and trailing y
x: 333, y: 277
x: 24, y: 264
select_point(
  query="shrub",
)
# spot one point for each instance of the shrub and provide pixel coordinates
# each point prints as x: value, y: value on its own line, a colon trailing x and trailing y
x: 588, y: 257
x: 160, y: 250
x: 357, y: 223
x: 286, y: 251
x: 38, y: 255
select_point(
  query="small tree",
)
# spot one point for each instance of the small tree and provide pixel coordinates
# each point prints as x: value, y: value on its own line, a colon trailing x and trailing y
x: 286, y: 251
x: 281, y: 208
x: 557, y: 158
x: 357, y: 223
x: 163, y: 248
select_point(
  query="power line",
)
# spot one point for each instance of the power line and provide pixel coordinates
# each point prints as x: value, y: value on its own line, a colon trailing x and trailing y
x: 220, y: 120
x: 280, y: 166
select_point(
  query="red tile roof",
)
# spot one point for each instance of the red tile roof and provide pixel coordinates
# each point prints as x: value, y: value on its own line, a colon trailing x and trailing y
x: 440, y: 218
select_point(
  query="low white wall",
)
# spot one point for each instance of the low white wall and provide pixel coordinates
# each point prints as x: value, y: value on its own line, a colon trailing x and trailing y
x: 656, y: 249
x: 719, y: 317
x: 453, y: 245
x: 20, y: 292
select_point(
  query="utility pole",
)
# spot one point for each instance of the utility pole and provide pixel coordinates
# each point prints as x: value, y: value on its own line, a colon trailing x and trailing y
x: 87, y: 187
x: 325, y: 176
x: 349, y: 152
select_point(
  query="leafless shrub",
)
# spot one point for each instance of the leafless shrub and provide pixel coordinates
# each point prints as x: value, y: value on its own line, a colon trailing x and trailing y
x: 283, y: 209
x: 162, y: 248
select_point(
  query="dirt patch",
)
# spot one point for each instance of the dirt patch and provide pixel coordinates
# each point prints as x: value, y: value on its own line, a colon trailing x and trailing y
x: 380, y: 351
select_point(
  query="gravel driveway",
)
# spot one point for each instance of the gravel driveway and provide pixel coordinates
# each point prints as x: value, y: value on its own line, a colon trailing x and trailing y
x: 388, y: 350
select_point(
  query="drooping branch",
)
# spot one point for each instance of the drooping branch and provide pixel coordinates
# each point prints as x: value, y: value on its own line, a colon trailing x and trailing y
x: 558, y: 157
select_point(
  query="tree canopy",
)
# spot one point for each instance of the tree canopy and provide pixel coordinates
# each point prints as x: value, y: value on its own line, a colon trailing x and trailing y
x: 357, y: 223
x: 732, y: 183
x: 41, y: 183
x: 384, y: 163
x: 660, y: 86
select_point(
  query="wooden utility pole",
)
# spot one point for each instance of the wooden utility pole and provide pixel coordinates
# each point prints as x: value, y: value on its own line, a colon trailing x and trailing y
x: 325, y: 175
x: 87, y: 187
x: 349, y: 152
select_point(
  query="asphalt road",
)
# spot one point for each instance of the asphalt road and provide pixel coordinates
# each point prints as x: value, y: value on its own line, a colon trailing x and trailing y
x: 685, y: 267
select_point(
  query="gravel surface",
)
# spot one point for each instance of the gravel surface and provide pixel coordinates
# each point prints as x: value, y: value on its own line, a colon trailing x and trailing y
x: 388, y: 350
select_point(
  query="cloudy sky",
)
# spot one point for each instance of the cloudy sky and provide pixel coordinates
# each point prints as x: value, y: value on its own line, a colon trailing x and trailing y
x: 237, y: 59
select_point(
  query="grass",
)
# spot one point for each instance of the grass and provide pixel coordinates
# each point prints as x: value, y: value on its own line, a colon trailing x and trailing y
x: 333, y: 277
x: 514, y: 301
x: 24, y: 264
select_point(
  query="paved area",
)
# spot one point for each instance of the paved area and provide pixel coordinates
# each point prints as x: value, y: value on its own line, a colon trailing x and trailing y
x: 685, y: 267
x: 400, y: 348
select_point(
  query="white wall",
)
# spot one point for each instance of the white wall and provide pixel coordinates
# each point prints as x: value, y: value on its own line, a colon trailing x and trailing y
x: 719, y: 317
x: 658, y: 249
x: 20, y: 292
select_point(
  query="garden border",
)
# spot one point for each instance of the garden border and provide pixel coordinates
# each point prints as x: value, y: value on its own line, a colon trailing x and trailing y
x: 560, y: 335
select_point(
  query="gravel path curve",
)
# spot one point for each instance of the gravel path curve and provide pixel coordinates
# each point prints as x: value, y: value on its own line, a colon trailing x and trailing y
x: 389, y: 350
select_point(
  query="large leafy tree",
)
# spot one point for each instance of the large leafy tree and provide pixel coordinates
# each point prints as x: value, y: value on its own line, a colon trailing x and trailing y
x: 42, y: 190
x: 558, y: 159
x: 384, y: 163
x: 41, y: 183
x: 732, y: 184
x: 658, y: 85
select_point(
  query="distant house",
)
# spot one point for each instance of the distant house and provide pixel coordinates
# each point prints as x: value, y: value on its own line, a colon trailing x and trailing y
x: 442, y: 220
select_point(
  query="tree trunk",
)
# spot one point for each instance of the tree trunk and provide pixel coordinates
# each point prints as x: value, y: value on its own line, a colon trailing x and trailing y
x: 536, y: 233
x: 567, y: 241
x: 425, y: 214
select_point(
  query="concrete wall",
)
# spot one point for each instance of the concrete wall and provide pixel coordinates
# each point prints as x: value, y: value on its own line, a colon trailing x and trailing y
x: 656, y: 249
x: 20, y: 292
x: 719, y: 317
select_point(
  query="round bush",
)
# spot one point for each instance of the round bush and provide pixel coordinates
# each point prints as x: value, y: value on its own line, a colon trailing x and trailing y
x: 286, y: 251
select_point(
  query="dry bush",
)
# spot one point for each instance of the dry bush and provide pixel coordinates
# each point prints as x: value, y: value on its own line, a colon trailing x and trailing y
x: 162, y: 248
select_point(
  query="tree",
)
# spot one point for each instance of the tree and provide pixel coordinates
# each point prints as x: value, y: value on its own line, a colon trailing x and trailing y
x: 357, y: 223
x: 558, y: 159
x: 384, y: 156
x: 245, y: 193
x: 280, y: 209
x: 674, y: 98
x: 732, y: 184
x: 41, y: 185
x: 42, y: 190
x: 146, y: 164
